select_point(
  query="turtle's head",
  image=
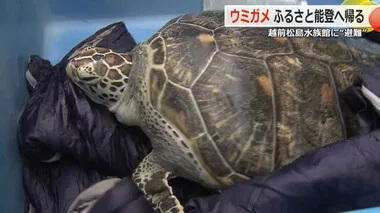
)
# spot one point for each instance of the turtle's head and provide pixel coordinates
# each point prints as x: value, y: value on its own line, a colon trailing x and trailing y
x: 101, y: 73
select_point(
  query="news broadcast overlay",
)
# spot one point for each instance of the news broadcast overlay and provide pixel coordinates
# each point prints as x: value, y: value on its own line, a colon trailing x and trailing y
x: 306, y: 20
x: 315, y: 32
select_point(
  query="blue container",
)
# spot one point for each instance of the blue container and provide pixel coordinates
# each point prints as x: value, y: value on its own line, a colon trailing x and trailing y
x: 369, y: 210
x: 50, y: 28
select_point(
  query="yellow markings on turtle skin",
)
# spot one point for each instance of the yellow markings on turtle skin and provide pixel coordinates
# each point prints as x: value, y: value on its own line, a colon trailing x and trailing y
x: 173, y: 45
x: 206, y: 39
x: 284, y: 131
x: 276, y: 64
x: 279, y: 65
x: 294, y: 61
x: 157, y: 82
x: 178, y: 118
x: 180, y: 121
x: 266, y: 84
x: 231, y: 77
x: 247, y: 146
x: 326, y: 93
x: 291, y: 146
x: 154, y: 83
x: 236, y: 133
x: 221, y: 122
x: 290, y: 89
x: 182, y: 73
x: 234, y: 156
x: 262, y: 147
x: 215, y: 90
x: 185, y: 75
x: 281, y: 40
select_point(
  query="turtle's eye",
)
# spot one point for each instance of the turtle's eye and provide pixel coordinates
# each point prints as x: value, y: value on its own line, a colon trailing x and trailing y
x: 88, y: 75
x: 89, y: 78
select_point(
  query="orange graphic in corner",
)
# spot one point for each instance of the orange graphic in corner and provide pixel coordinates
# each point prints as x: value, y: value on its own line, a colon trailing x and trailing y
x: 374, y: 18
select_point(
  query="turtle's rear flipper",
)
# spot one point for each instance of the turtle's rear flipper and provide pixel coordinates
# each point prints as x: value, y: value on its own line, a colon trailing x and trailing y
x: 152, y: 179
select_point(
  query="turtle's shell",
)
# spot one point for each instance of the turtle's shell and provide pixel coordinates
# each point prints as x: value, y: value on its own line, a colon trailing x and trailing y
x: 259, y: 101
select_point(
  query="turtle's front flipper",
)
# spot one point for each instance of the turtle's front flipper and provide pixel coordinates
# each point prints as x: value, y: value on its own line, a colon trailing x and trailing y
x: 152, y: 179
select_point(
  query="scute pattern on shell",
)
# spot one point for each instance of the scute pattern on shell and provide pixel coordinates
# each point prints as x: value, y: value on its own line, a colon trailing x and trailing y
x: 248, y: 103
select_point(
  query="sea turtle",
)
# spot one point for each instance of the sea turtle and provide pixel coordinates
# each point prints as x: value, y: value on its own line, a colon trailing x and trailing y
x: 221, y: 105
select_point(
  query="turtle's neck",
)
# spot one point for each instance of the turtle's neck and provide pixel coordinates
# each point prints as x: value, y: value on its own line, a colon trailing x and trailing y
x: 126, y: 111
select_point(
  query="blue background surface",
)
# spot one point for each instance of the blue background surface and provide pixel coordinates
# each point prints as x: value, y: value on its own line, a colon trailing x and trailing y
x: 21, y: 27
x: 50, y: 28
